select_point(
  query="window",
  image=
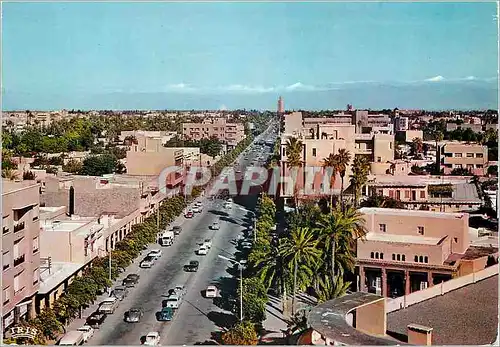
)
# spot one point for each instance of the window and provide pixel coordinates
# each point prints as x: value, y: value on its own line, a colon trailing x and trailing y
x: 372, y: 255
x: 403, y: 257
x: 407, y: 194
x: 470, y: 155
x: 393, y: 256
x: 479, y: 166
x: 391, y: 193
x: 421, y: 259
x: 426, y: 260
x: 36, y: 276
x: 399, y: 257
x: 421, y: 230
x: 314, y: 152
x: 416, y: 259
x: 379, y: 159
x: 455, y: 239
x: 6, y: 295
x: 17, y: 282
x: 381, y: 255
x: 479, y: 155
x: 16, y: 249
x: 35, y: 244
x: 382, y: 228
x: 458, y: 155
x: 390, y: 145
x: 376, y: 255
x: 6, y: 260
x: 422, y: 194
x: 470, y: 166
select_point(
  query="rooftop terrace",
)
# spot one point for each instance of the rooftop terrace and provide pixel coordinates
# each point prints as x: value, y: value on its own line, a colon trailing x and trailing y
x: 413, y: 213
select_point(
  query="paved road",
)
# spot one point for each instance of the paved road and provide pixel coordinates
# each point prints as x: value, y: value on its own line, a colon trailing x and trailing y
x: 197, y: 317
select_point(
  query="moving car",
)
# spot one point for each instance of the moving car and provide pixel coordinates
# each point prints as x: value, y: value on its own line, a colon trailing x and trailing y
x: 196, y: 209
x: 130, y: 281
x: 72, y: 338
x: 133, y: 315
x: 215, y: 226
x: 96, y: 319
x: 203, y: 250
x: 177, y: 230
x: 174, y: 301
x: 87, y: 331
x: 156, y: 253
x: 228, y: 205
x: 192, y: 266
x: 120, y: 292
x: 166, y: 314
x: 108, y: 305
x: 167, y: 238
x: 147, y: 262
x: 178, y: 290
x: 189, y: 214
x: 211, y: 292
x: 152, y: 339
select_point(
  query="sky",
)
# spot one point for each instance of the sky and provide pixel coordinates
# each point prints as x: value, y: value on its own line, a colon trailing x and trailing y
x: 244, y: 55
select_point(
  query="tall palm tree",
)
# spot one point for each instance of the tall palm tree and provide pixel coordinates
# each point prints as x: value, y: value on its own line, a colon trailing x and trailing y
x: 329, y: 289
x: 338, y: 232
x: 300, y: 250
x: 344, y: 157
x: 418, y: 145
x: 359, y: 177
x: 293, y: 150
x: 331, y: 162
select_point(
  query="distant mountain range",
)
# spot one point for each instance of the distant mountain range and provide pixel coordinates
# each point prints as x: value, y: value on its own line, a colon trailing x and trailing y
x: 429, y: 95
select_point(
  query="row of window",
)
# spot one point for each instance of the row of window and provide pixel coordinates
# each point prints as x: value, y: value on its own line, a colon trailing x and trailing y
x: 16, y: 255
x: 468, y: 166
x: 468, y: 155
x: 400, y: 257
x: 383, y: 228
x: 396, y: 194
x: 18, y: 282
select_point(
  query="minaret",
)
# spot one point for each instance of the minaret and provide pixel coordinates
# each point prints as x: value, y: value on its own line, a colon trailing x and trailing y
x: 281, y: 105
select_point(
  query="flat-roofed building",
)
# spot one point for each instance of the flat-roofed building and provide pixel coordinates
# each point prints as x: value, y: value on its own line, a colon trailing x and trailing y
x: 473, y: 157
x: 228, y: 133
x: 20, y: 249
x: 405, y: 251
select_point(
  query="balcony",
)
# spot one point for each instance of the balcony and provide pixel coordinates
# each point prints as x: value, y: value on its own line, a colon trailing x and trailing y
x: 18, y: 227
x: 19, y: 260
x: 5, y: 230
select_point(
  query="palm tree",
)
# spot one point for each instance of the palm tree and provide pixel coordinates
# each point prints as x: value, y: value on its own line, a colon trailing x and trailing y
x: 9, y: 174
x: 329, y: 289
x: 343, y: 157
x: 300, y: 250
x: 338, y: 232
x: 417, y: 145
x: 293, y: 150
x: 331, y: 162
x: 359, y: 177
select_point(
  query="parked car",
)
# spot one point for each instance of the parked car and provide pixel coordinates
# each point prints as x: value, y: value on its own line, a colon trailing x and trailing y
x: 87, y: 331
x: 147, y: 262
x: 130, y: 281
x: 192, y: 266
x: 189, y: 214
x: 120, y: 292
x: 108, y: 305
x: 96, y: 319
x: 228, y: 205
x: 156, y: 253
x: 174, y: 301
x: 215, y: 226
x: 152, y: 339
x: 133, y: 315
x: 178, y: 290
x: 211, y: 292
x: 203, y: 250
x: 166, y: 314
x: 208, y: 243
x: 177, y: 230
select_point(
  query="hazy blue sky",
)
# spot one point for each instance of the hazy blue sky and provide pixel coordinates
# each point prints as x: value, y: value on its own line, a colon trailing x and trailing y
x: 204, y: 55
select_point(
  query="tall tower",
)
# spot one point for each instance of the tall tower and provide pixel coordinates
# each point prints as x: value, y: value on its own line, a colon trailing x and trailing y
x: 281, y: 105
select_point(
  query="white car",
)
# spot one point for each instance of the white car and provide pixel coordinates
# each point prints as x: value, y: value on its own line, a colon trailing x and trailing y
x: 227, y: 205
x: 87, y: 331
x: 211, y: 292
x: 174, y: 301
x: 147, y: 262
x: 152, y: 339
x: 203, y: 250
x: 215, y: 226
x: 208, y: 243
x: 155, y: 253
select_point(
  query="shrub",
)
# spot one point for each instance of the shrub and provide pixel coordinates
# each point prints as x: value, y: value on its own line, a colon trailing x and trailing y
x: 242, y: 334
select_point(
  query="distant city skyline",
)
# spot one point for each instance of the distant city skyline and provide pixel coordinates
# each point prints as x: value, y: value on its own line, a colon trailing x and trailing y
x: 245, y: 55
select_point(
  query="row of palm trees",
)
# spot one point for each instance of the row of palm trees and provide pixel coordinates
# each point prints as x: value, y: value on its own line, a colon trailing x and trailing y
x: 317, y: 253
x: 336, y: 164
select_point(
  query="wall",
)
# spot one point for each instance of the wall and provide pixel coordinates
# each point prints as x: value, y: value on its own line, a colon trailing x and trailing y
x: 445, y: 287
x: 435, y: 225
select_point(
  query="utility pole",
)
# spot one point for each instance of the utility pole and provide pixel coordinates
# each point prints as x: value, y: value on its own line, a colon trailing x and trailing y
x: 109, y: 266
x: 241, y: 292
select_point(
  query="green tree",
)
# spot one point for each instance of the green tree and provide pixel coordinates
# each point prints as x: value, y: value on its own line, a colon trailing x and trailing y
x: 359, y: 177
x: 98, y: 165
x: 293, y: 150
x: 254, y: 300
x: 48, y: 324
x: 72, y: 166
x: 300, y: 250
x: 344, y: 157
x: 332, y: 163
x: 493, y: 170
x: 329, y: 289
x: 242, y: 334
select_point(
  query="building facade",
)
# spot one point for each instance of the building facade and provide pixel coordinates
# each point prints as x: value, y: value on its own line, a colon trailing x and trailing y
x: 228, y: 133
x: 20, y: 250
x: 473, y: 157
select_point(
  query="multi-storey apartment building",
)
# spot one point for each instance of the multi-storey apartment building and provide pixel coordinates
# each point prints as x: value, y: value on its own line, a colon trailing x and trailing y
x: 401, y: 123
x: 405, y: 251
x: 20, y: 250
x: 228, y: 133
x: 470, y: 156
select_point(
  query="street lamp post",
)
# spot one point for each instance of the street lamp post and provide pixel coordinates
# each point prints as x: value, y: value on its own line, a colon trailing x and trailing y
x: 241, y: 283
